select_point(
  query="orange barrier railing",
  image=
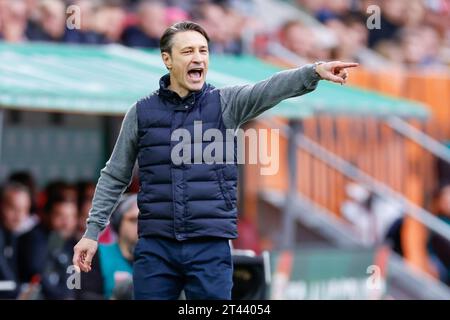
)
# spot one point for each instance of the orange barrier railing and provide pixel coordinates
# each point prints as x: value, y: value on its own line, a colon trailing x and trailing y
x: 373, y: 147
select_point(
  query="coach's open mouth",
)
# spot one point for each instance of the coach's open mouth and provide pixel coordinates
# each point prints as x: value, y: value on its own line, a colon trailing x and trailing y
x: 195, y: 74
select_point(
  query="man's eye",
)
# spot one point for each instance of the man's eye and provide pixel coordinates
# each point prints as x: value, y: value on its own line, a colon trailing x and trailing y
x: 187, y: 52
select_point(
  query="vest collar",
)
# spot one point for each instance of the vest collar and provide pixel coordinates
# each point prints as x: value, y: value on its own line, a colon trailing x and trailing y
x: 179, y: 103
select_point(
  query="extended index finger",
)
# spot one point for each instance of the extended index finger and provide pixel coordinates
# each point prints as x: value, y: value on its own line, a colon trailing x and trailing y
x: 347, y: 65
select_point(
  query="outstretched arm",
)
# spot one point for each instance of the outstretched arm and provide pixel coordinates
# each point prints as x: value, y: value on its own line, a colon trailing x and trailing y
x: 243, y: 103
x: 335, y: 71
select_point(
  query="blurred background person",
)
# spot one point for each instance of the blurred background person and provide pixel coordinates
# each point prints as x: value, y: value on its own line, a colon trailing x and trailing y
x: 15, y: 220
x: 223, y: 25
x: 110, y: 20
x: 352, y: 34
x: 26, y: 178
x: 420, y: 46
x: 392, y: 19
x: 16, y: 209
x: 44, y: 252
x: 86, y: 33
x: 111, y: 274
x: 151, y: 23
x: 51, y: 22
x: 302, y: 31
x: 13, y: 20
x: 58, y: 189
x: 7, y: 274
x: 295, y: 44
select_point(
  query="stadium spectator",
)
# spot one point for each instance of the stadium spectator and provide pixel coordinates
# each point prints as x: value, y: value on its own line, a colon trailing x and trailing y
x: 111, y: 275
x: 420, y: 47
x: 13, y: 20
x: 109, y: 21
x: 58, y: 189
x: 15, y: 209
x: 219, y: 23
x: 352, y: 35
x: 7, y: 274
x: 86, y: 32
x: 51, y: 22
x: 26, y: 178
x: 174, y: 14
x: 15, y: 220
x: 298, y: 39
x: 151, y: 25
x: 334, y: 29
x: 44, y: 252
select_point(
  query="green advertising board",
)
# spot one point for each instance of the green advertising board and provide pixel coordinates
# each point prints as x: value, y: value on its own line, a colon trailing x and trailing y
x: 323, y: 274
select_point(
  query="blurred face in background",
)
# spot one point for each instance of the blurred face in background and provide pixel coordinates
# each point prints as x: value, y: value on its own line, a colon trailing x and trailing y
x: 13, y: 20
x: 214, y: 21
x: 394, y: 10
x: 431, y: 40
x: 414, y: 13
x: 109, y: 21
x: 298, y: 39
x: 414, y: 50
x: 87, y: 13
x: 63, y: 219
x: 53, y: 18
x: 16, y: 206
x: 351, y: 36
x: 152, y: 18
x: 236, y: 23
x: 128, y: 232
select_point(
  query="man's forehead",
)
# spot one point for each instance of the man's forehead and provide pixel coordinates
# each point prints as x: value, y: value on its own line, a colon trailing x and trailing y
x: 189, y: 39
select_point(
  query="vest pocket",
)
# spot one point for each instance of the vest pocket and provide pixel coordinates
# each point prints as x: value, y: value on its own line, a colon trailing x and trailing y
x: 224, y: 188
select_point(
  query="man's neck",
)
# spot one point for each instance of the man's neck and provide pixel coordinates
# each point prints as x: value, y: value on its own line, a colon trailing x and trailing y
x: 175, y: 87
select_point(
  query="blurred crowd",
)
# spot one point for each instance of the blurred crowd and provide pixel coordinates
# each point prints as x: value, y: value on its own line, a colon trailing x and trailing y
x: 38, y: 231
x: 395, y: 33
x: 39, y: 228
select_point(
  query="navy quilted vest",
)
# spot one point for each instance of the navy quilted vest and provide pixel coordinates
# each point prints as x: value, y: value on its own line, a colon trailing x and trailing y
x: 189, y: 199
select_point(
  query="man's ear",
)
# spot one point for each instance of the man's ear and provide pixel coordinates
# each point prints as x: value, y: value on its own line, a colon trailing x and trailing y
x: 167, y: 59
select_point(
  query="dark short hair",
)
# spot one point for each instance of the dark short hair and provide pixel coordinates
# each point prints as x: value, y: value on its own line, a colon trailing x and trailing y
x: 165, y: 44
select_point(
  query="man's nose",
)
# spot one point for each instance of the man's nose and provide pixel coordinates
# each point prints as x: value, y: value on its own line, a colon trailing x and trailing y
x: 197, y: 57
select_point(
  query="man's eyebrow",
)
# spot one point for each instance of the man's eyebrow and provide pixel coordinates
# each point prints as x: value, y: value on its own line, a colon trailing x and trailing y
x: 192, y: 47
